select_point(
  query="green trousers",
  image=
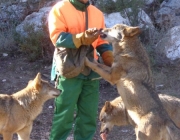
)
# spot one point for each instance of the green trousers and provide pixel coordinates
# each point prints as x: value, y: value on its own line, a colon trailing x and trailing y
x: 84, y: 94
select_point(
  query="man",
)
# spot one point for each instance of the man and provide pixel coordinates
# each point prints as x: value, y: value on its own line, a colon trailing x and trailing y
x: 74, y: 26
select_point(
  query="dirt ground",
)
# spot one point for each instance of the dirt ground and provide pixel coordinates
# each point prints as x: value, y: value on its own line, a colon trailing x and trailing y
x: 16, y: 71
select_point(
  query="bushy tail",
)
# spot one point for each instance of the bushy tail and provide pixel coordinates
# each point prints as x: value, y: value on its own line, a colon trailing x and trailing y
x: 173, y: 130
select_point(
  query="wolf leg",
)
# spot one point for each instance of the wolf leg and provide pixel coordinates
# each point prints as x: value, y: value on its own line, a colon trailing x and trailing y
x: 24, y: 134
x: 7, y: 136
x: 110, y: 74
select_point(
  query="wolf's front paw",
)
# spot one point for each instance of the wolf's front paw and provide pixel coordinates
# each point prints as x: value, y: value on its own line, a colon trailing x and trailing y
x: 95, y: 61
x: 86, y: 62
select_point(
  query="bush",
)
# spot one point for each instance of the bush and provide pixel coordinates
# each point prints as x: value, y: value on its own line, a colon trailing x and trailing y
x: 36, y: 45
x: 106, y: 6
x: 128, y: 8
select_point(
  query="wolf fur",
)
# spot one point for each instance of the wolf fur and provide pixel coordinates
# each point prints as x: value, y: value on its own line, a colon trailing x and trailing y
x: 132, y: 75
x: 19, y: 110
x: 115, y: 113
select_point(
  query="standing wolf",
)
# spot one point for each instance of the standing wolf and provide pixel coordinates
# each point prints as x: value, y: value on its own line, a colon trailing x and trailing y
x: 114, y: 113
x: 19, y: 110
x: 132, y: 75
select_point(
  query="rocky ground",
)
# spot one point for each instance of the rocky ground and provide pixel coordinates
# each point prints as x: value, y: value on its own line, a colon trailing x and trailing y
x: 16, y: 71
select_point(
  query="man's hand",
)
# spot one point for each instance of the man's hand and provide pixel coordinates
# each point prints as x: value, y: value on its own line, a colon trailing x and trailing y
x: 86, y: 38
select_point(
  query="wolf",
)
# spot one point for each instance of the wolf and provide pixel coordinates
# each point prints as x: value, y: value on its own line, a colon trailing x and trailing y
x: 19, y: 110
x: 115, y: 113
x: 131, y: 73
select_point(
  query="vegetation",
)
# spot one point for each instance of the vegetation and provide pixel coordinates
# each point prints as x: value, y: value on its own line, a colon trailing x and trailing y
x: 35, y: 45
x: 128, y: 8
x: 7, y: 42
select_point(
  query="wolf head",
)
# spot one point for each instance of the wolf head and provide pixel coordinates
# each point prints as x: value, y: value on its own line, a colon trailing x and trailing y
x: 112, y: 113
x: 36, y: 89
x: 119, y: 31
x: 106, y: 118
x: 43, y: 87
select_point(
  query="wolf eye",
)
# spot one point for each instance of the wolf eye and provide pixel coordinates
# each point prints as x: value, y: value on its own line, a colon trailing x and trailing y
x: 101, y: 120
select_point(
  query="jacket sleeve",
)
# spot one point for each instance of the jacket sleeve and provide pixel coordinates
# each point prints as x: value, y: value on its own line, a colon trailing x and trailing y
x: 58, y: 29
x: 103, y: 48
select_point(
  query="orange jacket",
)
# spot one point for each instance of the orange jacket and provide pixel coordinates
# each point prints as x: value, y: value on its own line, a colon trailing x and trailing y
x: 64, y: 17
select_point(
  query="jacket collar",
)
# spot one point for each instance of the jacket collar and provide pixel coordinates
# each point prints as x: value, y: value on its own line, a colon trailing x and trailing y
x: 79, y: 5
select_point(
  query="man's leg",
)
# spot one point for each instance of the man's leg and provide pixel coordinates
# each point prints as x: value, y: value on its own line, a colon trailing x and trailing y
x: 85, y: 126
x: 64, y: 108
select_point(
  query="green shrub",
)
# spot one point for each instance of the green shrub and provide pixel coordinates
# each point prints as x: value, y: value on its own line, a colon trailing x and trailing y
x: 106, y: 6
x: 36, y: 45
x: 128, y: 8
x: 31, y: 45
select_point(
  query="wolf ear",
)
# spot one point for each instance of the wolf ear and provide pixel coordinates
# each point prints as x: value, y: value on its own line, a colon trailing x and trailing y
x: 108, y: 107
x: 37, y: 81
x: 131, y: 31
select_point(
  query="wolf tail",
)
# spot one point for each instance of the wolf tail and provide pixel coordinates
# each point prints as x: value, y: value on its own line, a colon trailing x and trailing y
x: 173, y: 130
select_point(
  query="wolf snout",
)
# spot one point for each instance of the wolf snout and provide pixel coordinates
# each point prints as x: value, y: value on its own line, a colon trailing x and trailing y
x: 100, y: 30
x: 106, y: 131
x: 56, y: 93
x: 60, y: 91
x: 102, y: 35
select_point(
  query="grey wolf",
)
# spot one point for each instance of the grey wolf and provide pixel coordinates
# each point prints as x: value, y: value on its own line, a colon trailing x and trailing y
x: 131, y: 72
x: 19, y: 110
x: 115, y: 113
